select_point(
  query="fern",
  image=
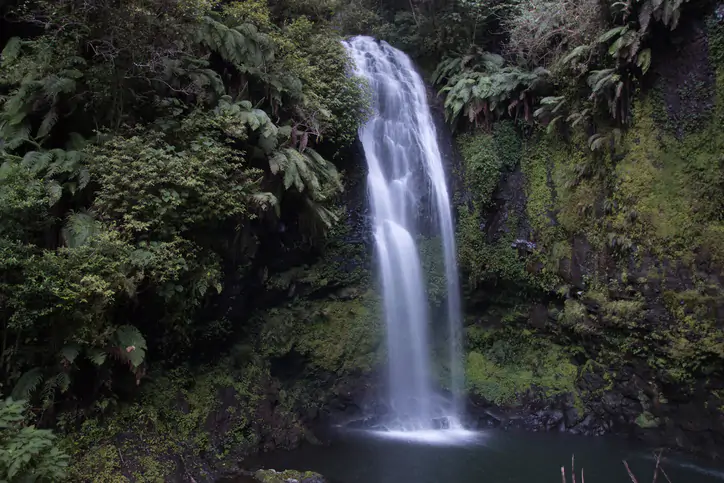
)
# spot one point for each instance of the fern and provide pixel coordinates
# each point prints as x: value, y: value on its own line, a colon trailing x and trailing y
x: 44, y: 80
x: 27, y: 454
x: 306, y: 171
x: 50, y: 119
x: 96, y: 356
x: 66, y: 167
x: 577, y: 52
x: 643, y: 60
x: 27, y: 384
x: 242, y: 46
x: 79, y: 229
x: 489, y: 94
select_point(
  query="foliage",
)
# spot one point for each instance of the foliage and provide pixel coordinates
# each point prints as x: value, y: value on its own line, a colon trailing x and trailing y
x: 542, y: 31
x: 504, y: 365
x: 147, y: 151
x: 27, y: 454
x: 488, y: 157
x: 341, y: 336
x: 487, y: 90
x: 556, y: 51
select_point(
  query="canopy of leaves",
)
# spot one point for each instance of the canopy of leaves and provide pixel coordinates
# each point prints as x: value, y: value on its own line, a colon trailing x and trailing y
x: 147, y: 148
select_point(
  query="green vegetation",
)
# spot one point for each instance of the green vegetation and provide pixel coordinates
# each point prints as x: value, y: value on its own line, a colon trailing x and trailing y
x: 155, y: 157
x: 271, y: 476
x: 181, y: 277
x: 504, y: 365
x: 27, y: 453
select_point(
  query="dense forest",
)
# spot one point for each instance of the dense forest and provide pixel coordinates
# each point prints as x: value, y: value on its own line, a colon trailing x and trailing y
x: 184, y: 267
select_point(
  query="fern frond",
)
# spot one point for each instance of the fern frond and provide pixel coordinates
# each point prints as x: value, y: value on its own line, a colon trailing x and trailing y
x: 264, y: 200
x: 79, y: 229
x: 49, y: 121
x: 575, y: 53
x: 27, y: 384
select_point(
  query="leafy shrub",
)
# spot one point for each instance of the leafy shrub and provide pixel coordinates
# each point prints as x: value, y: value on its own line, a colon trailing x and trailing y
x: 27, y: 454
x: 542, y: 31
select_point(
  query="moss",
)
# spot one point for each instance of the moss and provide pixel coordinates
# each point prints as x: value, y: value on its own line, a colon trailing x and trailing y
x: 574, y: 316
x: 660, y: 200
x: 483, y: 261
x: 544, y: 165
x: 206, y: 412
x: 486, y: 157
x: 504, y: 365
x: 539, y: 158
x: 272, y: 476
x: 339, y: 336
x: 646, y: 420
x: 101, y: 464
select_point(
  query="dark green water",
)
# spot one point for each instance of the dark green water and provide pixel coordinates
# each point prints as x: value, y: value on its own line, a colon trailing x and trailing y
x: 495, y: 457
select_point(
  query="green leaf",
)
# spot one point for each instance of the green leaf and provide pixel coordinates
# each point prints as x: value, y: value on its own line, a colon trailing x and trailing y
x: 643, y: 60
x: 50, y: 119
x: 70, y: 352
x: 27, y: 383
x: 612, y: 33
x: 132, y: 344
x: 96, y: 356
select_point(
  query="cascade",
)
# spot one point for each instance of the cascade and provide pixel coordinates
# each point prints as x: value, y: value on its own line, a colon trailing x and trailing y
x: 404, y: 168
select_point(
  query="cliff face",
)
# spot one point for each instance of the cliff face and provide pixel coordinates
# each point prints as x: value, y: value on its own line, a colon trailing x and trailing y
x: 611, y: 260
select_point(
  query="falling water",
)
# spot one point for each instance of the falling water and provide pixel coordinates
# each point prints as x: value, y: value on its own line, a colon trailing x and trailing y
x: 405, y: 167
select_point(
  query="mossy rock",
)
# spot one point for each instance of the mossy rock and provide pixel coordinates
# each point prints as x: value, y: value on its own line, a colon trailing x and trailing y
x: 646, y: 420
x: 288, y: 476
x: 506, y: 364
x: 340, y: 336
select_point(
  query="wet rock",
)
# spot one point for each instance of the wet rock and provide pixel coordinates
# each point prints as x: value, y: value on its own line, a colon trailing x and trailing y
x: 288, y: 476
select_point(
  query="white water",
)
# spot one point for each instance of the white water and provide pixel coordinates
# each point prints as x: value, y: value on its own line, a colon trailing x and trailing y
x: 405, y: 165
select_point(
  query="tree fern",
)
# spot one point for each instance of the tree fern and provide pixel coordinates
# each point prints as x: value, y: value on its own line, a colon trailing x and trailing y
x: 242, y: 46
x: 306, y: 171
x: 44, y: 80
x: 484, y: 95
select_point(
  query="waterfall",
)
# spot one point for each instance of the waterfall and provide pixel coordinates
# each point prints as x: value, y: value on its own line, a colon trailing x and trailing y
x: 405, y: 167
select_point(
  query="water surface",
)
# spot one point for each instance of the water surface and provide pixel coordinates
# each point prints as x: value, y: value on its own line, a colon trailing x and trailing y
x: 492, y: 457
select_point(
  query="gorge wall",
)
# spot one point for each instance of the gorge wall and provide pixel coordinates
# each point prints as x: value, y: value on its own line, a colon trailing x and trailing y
x: 606, y: 267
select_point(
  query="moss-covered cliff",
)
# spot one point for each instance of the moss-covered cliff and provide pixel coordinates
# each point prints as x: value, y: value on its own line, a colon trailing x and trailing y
x: 609, y: 260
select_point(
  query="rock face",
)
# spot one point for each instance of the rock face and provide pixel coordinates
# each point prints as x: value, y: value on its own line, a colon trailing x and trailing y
x: 613, y: 259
